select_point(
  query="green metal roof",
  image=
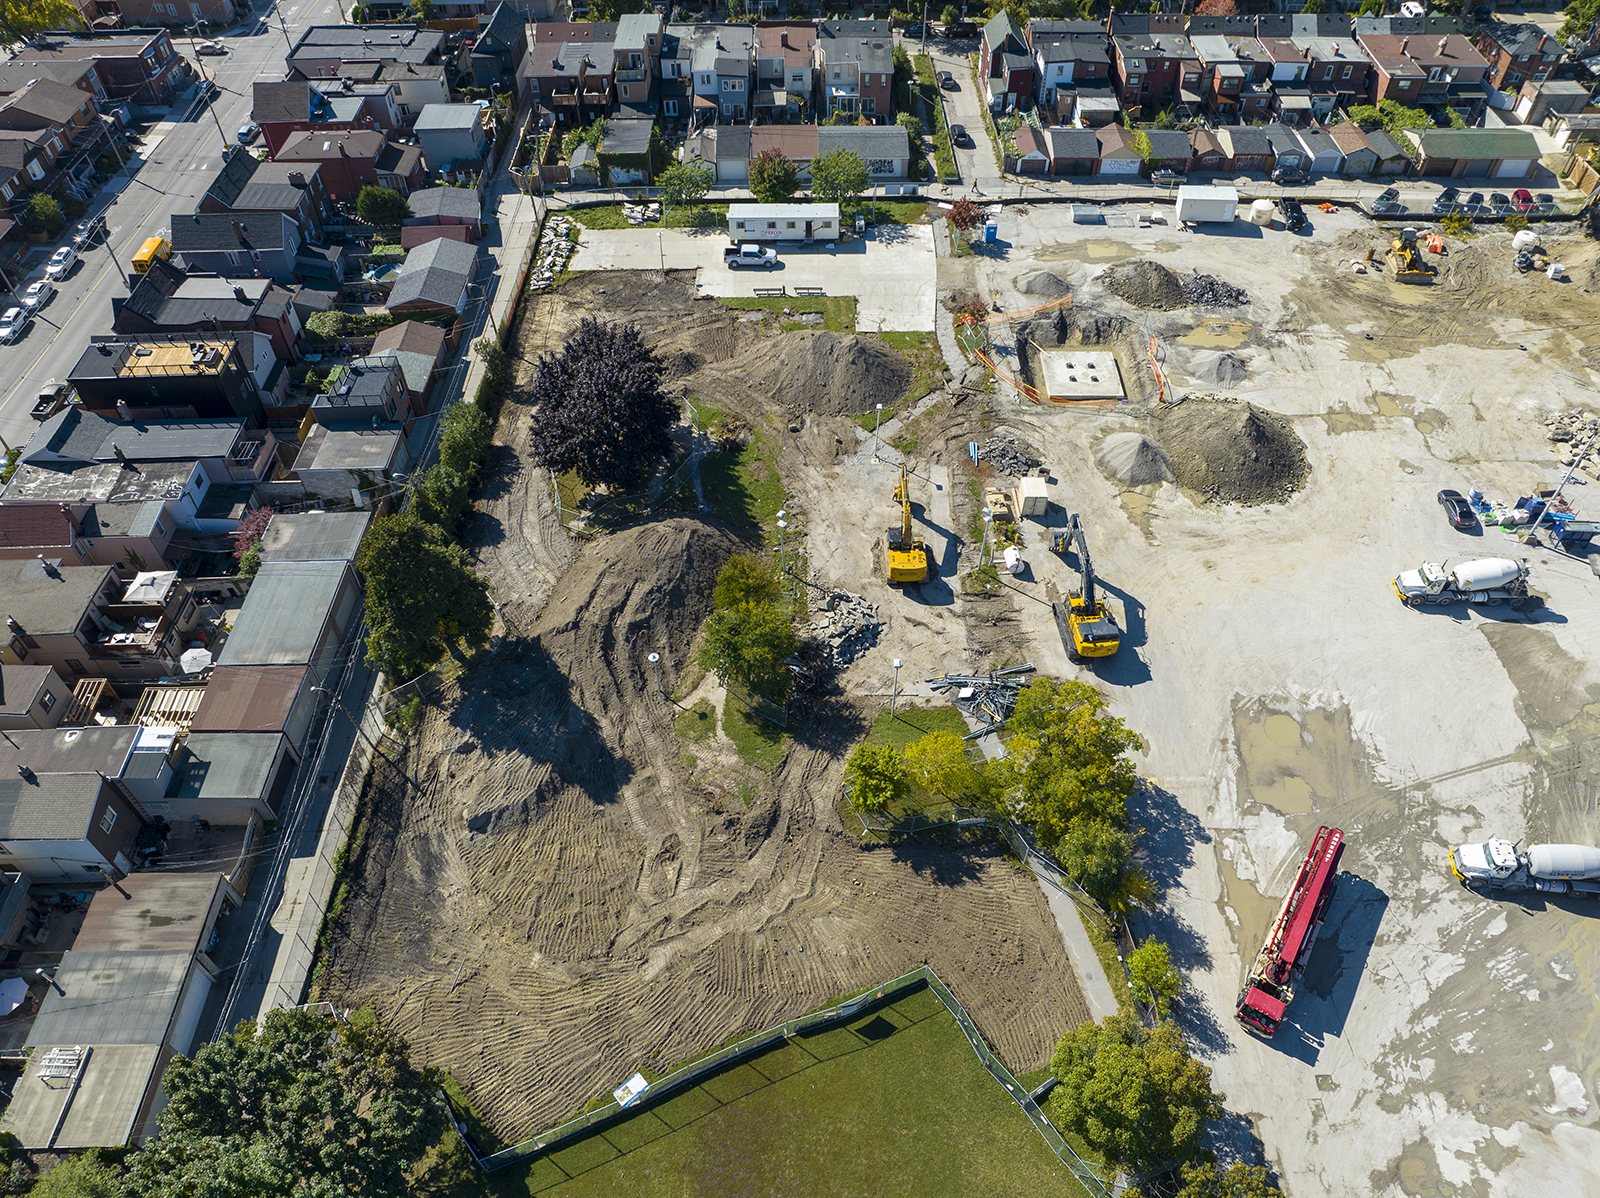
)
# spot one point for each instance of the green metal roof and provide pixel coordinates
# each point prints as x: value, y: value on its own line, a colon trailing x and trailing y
x: 1478, y: 143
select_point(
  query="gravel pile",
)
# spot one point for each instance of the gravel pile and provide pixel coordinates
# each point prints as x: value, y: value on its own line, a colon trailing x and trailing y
x: 1133, y: 460
x: 1232, y: 452
x: 814, y: 370
x: 1007, y: 456
x: 847, y: 626
x: 1146, y: 284
x: 1044, y: 282
x: 1208, y: 291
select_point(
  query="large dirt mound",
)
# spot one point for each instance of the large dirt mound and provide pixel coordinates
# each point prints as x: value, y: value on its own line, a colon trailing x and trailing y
x: 1232, y: 452
x: 1044, y: 283
x: 1133, y: 460
x: 813, y: 370
x: 1146, y: 284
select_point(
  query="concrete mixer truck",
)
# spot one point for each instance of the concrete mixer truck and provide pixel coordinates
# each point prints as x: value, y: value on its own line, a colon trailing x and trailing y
x: 1497, y: 864
x: 1488, y: 580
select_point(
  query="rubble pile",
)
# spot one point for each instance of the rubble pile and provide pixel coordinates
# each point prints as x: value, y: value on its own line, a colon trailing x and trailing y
x: 848, y: 625
x: 1211, y: 292
x: 1574, y: 430
x: 1007, y: 457
x: 555, y: 251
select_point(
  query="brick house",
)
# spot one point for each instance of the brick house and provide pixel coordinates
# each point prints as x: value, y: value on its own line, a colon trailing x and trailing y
x: 1517, y: 54
x: 140, y: 65
x: 1426, y: 71
x: 1008, y: 68
x: 353, y: 160
x: 1151, y: 62
x: 855, y: 68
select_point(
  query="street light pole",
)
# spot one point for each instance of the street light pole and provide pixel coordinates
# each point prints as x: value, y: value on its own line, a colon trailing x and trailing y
x: 877, y: 445
x: 655, y: 669
x: 894, y: 695
x: 205, y: 87
x: 355, y: 723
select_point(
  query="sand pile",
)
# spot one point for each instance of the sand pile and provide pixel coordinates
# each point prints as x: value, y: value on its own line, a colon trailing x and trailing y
x: 1133, y: 460
x: 1146, y: 284
x: 816, y: 371
x: 1045, y: 283
x: 1232, y: 452
x: 1228, y: 370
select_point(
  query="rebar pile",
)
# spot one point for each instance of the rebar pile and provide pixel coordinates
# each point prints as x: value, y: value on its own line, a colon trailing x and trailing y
x: 991, y: 697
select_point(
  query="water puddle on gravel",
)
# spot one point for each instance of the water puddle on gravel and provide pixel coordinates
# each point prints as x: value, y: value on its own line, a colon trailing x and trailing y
x: 1299, y: 765
x: 1252, y: 912
x: 1218, y: 334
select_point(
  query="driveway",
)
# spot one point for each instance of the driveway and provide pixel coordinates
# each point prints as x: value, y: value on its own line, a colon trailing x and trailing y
x: 891, y: 271
x: 965, y: 107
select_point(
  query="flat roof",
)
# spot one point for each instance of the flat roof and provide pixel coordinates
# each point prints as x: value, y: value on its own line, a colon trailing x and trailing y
x: 314, y: 537
x: 282, y: 618
x: 329, y: 447
x: 226, y: 765
x: 248, y: 698
x: 112, y: 997
x: 67, y: 750
x: 107, y: 1101
x: 1080, y: 373
x: 153, y: 913
x: 45, y: 597
x: 783, y: 212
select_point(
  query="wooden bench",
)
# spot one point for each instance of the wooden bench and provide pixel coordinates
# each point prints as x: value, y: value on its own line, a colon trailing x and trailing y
x: 809, y: 291
x: 770, y: 292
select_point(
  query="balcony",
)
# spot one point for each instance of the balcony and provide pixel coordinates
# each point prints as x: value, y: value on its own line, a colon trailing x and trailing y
x: 252, y: 460
x: 129, y: 630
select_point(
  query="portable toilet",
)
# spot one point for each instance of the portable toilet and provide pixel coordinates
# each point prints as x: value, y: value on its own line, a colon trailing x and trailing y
x: 991, y: 231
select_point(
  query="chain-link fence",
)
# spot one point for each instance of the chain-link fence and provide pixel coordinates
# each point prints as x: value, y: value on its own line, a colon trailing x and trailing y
x: 614, y: 1111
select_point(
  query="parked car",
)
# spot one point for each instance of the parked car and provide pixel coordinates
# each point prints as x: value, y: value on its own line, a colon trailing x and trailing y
x: 1294, y: 215
x: 1291, y: 176
x: 88, y: 229
x: 52, y: 398
x: 38, y: 294
x: 1523, y: 200
x: 1457, y: 510
x: 914, y: 32
x: 1501, y: 203
x: 247, y: 133
x: 1388, y: 203
x: 208, y: 90
x: 948, y: 82
x: 211, y: 48
x: 961, y: 29
x: 13, y: 324
x: 735, y: 257
x: 1446, y: 201
x: 1474, y: 205
x: 1546, y: 203
x: 1166, y: 178
x: 60, y: 263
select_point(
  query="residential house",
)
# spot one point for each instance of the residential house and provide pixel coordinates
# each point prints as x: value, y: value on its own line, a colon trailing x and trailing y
x: 338, y: 461
x: 636, y: 57
x: 1573, y: 129
x: 1005, y: 63
x: 434, y: 278
x: 567, y: 70
x: 719, y: 62
x: 453, y: 133
x: 411, y: 236
x: 1339, y: 73
x: 66, y: 828
x: 225, y: 778
x: 1067, y: 55
x: 31, y: 696
x: 1234, y: 77
x: 321, y: 47
x: 296, y: 105
x: 292, y: 188
x: 26, y: 157
x: 1518, y: 53
x: 357, y: 159
x: 727, y: 150
x: 140, y: 535
x: 1248, y: 148
x: 1117, y: 154
x: 166, y: 377
x: 138, y: 14
x: 1057, y: 151
x: 501, y: 43
x: 261, y: 698
x: 136, y: 759
x: 1391, y: 157
x: 316, y: 536
x: 296, y: 614
x: 454, y: 206
x: 1428, y: 71
x: 1324, y: 157
x: 243, y: 245
x: 1169, y: 150
x: 1359, y: 158
x: 1474, y: 153
x: 63, y: 123
x: 73, y: 72
x: 403, y: 89
x: 1291, y: 101
x: 370, y: 392
x: 786, y: 68
x: 139, y: 65
x: 167, y: 300
x: 855, y: 69
x: 1207, y: 154
x: 421, y: 350
x: 126, y: 998
x: 1153, y: 64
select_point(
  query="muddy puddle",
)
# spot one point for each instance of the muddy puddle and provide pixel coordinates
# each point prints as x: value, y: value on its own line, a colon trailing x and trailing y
x: 1218, y: 334
x: 1305, y: 764
x: 1249, y: 911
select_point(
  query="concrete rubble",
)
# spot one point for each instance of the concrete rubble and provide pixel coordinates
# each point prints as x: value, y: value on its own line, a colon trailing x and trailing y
x: 848, y: 625
x: 1211, y: 292
x: 1007, y: 456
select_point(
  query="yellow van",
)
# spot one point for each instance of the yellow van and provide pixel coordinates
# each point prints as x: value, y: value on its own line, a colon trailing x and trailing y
x: 153, y: 248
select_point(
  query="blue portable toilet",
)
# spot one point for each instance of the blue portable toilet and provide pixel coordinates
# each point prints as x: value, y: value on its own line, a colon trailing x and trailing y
x: 990, y: 230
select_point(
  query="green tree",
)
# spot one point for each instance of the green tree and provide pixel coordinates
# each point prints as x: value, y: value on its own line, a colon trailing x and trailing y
x: 591, y: 136
x: 1313, y: 7
x: 23, y: 20
x: 745, y: 578
x: 418, y: 10
x: 43, y: 214
x: 838, y: 176
x: 1238, y: 1180
x: 250, y: 561
x: 1581, y: 16
x: 310, y: 1105
x: 1066, y: 760
x: 1020, y: 10
x: 1134, y: 1095
x: 1095, y: 856
x: 381, y: 206
x: 684, y: 184
x: 938, y: 763
x: 465, y: 438
x: 749, y: 643
x: 1142, y: 147
x: 1154, y: 979
x: 1216, y: 8
x: 773, y: 177
x: 876, y: 775
x: 85, y: 1176
x: 610, y: 10
x: 912, y: 126
x: 950, y: 15
x: 903, y: 70
x: 423, y: 597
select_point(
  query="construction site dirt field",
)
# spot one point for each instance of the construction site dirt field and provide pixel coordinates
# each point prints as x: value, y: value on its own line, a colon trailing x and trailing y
x: 570, y: 891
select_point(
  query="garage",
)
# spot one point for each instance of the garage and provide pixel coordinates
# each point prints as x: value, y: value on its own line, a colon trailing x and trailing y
x: 1514, y: 168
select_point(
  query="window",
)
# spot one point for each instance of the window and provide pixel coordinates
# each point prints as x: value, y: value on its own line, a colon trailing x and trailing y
x: 1513, y: 80
x: 128, y: 665
x: 109, y: 819
x: 1191, y: 77
x: 1435, y: 74
x: 670, y: 107
x: 1405, y: 85
x: 624, y: 91
x: 1136, y: 64
x: 1347, y: 72
x: 868, y: 104
x: 1541, y: 76
x: 788, y: 224
x: 18, y: 648
x: 6, y: 191
x: 159, y: 529
x: 1327, y: 71
x: 772, y: 224
x: 1522, y: 58
x: 880, y: 166
x: 28, y: 641
x: 46, y: 702
x: 1133, y: 80
x: 55, y: 145
x: 76, y: 666
x: 35, y: 170
x: 94, y: 869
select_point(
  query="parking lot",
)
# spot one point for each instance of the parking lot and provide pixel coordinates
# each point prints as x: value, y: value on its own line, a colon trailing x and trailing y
x: 890, y: 271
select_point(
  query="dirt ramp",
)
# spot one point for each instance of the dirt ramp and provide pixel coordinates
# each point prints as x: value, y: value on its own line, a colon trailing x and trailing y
x: 811, y: 370
x: 1232, y: 452
x: 1133, y: 460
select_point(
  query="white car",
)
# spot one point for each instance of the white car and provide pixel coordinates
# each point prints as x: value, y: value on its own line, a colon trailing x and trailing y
x: 35, y: 296
x: 211, y: 48
x: 61, y: 262
x: 247, y: 133
x: 12, y: 325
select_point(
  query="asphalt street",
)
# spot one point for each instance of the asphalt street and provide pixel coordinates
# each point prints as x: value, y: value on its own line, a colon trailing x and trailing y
x: 179, y: 155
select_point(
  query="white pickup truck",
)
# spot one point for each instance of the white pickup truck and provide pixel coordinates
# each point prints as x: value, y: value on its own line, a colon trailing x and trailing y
x: 736, y: 256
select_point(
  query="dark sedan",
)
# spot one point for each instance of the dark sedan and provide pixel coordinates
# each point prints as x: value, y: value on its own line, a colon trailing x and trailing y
x: 1502, y: 204
x: 1388, y: 203
x: 1446, y: 203
x: 1458, y: 511
x: 1544, y: 203
x: 1473, y: 205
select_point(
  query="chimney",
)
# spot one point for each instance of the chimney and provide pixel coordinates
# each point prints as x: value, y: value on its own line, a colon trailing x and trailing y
x: 117, y: 449
x: 238, y: 231
x: 1404, y: 42
x: 343, y: 153
x: 1443, y: 42
x: 238, y: 294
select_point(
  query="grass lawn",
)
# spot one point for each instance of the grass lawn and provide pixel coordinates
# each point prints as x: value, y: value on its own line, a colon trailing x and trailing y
x: 743, y: 487
x: 944, y: 158
x: 838, y: 311
x: 697, y: 723
x: 927, y: 365
x: 906, y: 725
x: 760, y: 742
x: 609, y: 216
x: 892, y: 1103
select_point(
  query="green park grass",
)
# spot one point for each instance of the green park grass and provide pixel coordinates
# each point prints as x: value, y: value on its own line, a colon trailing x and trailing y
x: 838, y: 311
x: 895, y: 1102
x: 610, y: 216
x: 759, y: 742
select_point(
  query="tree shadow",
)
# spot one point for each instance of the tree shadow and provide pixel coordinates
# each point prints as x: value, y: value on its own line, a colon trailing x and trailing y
x: 1168, y: 832
x: 480, y: 530
x: 829, y: 721
x: 943, y: 856
x: 1328, y: 988
x: 498, y: 470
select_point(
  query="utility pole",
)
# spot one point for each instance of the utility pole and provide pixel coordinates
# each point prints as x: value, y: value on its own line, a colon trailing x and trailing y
x: 355, y: 723
x: 205, y: 88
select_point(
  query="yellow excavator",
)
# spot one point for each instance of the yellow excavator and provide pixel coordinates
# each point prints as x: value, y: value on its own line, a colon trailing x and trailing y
x: 908, y: 557
x: 1406, y: 263
x: 1088, y: 629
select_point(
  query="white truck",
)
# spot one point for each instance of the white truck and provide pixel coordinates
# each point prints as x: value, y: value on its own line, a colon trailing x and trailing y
x: 1203, y: 205
x: 1488, y: 580
x: 736, y: 256
x: 1497, y: 864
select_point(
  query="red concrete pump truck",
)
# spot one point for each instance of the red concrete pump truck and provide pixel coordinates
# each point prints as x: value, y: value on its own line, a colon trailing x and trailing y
x: 1270, y: 987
